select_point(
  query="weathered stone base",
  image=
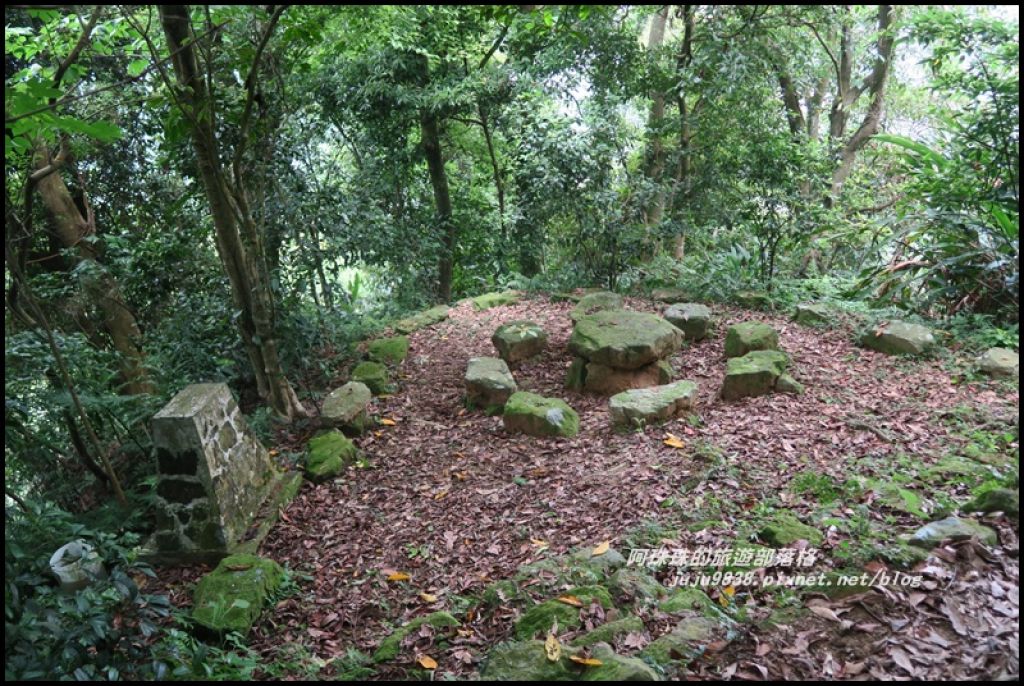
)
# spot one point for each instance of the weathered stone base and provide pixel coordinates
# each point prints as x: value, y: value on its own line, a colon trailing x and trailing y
x: 604, y: 380
x: 282, y: 491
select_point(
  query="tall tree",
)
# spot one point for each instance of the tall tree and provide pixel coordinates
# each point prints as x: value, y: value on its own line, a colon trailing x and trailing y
x: 239, y: 241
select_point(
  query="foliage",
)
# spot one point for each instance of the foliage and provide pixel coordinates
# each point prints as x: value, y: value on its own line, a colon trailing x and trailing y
x: 101, y: 632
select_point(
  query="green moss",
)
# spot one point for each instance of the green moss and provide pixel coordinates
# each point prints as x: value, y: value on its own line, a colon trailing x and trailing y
x: 636, y: 584
x: 539, y: 416
x: 754, y: 300
x: 753, y: 374
x: 328, y: 454
x: 388, y: 350
x: 231, y: 597
x: 391, y: 645
x: 617, y: 668
x: 692, y: 599
x: 686, y: 641
x: 489, y: 300
x: 577, y: 375
x: 954, y: 469
x: 785, y: 529
x: 606, y: 633
x: 374, y: 375
x: 743, y: 338
x: 422, y: 319
x: 540, y: 618
x: 624, y: 340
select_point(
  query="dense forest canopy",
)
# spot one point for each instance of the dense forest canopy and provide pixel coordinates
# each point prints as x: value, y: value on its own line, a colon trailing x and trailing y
x: 243, y: 193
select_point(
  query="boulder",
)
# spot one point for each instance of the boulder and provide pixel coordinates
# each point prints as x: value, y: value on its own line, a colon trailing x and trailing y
x: 692, y: 319
x: 753, y: 374
x: 644, y: 406
x: 619, y: 668
x: 535, y: 415
x: 327, y: 455
x: 669, y: 295
x: 526, y: 661
x: 596, y: 302
x: 754, y: 300
x: 812, y: 314
x: 388, y: 350
x: 997, y: 500
x: 604, y: 380
x: 390, y: 646
x: 623, y: 339
x: 785, y: 529
x: 345, y: 407
x: 422, y: 319
x: 489, y: 300
x: 953, y: 529
x: 899, y: 338
x: 743, y: 338
x: 1000, y: 362
x: 489, y: 382
x: 373, y: 375
x: 517, y: 341
x: 231, y: 597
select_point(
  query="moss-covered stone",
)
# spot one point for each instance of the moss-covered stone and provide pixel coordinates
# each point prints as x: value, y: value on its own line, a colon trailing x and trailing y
x: 593, y: 303
x: 390, y: 646
x: 693, y: 319
x: 1000, y: 363
x: 996, y: 500
x: 955, y: 469
x: 346, y: 407
x: 899, y: 338
x: 526, y: 661
x: 373, y: 375
x: 812, y: 314
x: 785, y: 529
x: 624, y: 340
x: 420, y: 320
x: 753, y: 374
x: 754, y: 300
x: 954, y: 529
x: 328, y: 454
x: 489, y: 300
x: 539, y: 618
x: 519, y: 340
x: 605, y: 380
x: 500, y: 592
x: 536, y: 415
x: 685, y: 642
x: 608, y: 632
x: 231, y: 597
x: 634, y: 583
x: 669, y: 295
x: 489, y: 382
x: 746, y: 337
x: 691, y: 599
x: 388, y: 350
x: 616, y: 667
x: 640, y: 407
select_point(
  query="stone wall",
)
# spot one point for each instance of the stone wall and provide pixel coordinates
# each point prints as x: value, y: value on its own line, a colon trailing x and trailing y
x: 213, y: 474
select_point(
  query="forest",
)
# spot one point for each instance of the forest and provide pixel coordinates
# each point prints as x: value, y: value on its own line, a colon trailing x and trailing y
x: 511, y: 342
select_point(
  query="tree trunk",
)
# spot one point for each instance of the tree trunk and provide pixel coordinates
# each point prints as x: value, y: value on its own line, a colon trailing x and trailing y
x: 74, y: 231
x: 238, y: 239
x: 848, y: 94
x: 655, y: 166
x: 875, y: 85
x: 430, y: 138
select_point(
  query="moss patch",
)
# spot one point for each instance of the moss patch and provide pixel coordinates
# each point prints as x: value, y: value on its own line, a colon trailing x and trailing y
x: 489, y: 300
x: 373, y: 375
x: 391, y: 645
x: 388, y: 350
x: 231, y: 597
x: 328, y: 454
x: 785, y: 529
x: 536, y: 415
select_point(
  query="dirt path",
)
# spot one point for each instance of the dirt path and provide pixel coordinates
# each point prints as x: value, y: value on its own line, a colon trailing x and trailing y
x: 456, y: 503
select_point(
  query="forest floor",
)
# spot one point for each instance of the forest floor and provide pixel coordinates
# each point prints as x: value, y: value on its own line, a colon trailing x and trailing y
x: 456, y: 503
